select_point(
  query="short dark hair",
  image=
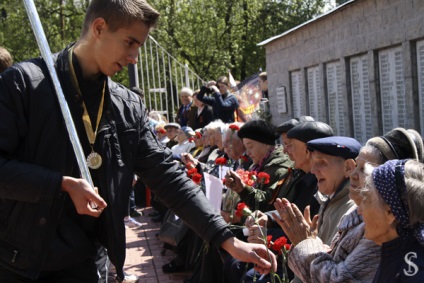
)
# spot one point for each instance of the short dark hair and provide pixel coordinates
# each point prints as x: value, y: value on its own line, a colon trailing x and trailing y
x: 223, y: 80
x: 120, y: 13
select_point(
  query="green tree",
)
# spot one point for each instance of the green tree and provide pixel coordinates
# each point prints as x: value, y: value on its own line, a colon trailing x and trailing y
x: 211, y: 36
x: 214, y: 36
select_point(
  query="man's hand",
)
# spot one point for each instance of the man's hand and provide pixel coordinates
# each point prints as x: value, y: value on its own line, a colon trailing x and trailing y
x: 255, y: 253
x: 83, y: 196
x: 291, y: 220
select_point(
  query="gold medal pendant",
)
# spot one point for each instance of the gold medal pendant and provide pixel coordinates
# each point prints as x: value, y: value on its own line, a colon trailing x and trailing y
x: 94, y: 160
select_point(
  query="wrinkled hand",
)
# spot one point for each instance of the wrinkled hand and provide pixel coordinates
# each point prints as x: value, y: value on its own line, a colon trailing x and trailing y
x: 291, y: 220
x: 86, y: 199
x: 255, y: 253
x: 257, y: 235
x: 261, y: 219
x: 234, y: 182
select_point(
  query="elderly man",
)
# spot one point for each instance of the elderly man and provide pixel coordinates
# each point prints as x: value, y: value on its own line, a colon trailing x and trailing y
x: 333, y: 162
x: 183, y: 114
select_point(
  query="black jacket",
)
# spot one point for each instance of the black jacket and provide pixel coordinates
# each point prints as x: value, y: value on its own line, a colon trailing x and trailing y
x: 35, y: 152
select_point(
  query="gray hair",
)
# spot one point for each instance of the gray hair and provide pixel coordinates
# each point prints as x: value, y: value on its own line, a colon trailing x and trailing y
x: 187, y: 90
x: 216, y: 125
x: 414, y: 181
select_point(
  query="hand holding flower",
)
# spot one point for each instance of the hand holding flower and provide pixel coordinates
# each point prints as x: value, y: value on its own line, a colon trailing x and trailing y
x: 257, y: 234
x: 260, y: 218
x: 234, y: 182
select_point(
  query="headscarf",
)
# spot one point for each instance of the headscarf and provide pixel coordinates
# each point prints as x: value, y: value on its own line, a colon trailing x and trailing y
x: 389, y: 180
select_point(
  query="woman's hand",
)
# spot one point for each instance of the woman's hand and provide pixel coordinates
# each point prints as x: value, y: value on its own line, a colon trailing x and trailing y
x: 234, y: 182
x: 260, y: 218
x: 257, y: 235
x: 294, y: 224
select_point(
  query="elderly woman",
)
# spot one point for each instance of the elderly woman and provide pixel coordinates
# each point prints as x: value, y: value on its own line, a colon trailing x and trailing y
x: 352, y: 257
x: 393, y: 213
x: 259, y: 137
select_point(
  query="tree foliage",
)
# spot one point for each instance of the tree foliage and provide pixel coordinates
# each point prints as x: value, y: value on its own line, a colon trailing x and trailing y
x: 215, y: 36
x: 211, y: 36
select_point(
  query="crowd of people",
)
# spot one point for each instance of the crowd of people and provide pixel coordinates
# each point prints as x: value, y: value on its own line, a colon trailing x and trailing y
x: 298, y: 202
x: 348, y: 211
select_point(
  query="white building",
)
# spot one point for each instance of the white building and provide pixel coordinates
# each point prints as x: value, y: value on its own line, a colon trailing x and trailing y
x: 359, y: 67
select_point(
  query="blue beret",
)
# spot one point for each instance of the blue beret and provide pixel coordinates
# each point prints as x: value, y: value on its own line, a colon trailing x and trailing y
x: 345, y: 147
x: 311, y: 130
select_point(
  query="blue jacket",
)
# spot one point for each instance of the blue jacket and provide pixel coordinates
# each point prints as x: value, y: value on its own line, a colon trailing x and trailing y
x: 402, y: 260
x: 223, y: 106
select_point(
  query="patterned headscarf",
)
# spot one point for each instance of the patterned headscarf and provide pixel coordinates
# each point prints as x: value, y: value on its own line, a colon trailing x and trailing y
x: 389, y: 180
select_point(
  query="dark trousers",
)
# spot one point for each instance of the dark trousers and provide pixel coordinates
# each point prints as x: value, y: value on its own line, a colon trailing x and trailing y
x: 84, y: 272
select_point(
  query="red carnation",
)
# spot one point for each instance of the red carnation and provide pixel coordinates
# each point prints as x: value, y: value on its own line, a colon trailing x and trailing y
x: 279, y: 244
x: 234, y: 127
x: 162, y: 131
x: 196, y: 178
x: 221, y: 161
x: 198, y: 135
x: 191, y: 171
x: 263, y: 178
x: 243, y: 210
x: 190, y: 140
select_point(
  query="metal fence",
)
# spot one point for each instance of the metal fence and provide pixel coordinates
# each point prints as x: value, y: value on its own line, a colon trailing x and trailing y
x: 162, y: 76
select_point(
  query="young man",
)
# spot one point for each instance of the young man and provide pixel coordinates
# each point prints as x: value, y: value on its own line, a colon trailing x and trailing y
x: 48, y: 228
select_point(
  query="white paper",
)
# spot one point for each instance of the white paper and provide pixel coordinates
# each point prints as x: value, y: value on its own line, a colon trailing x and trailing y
x: 213, y: 187
x: 223, y: 172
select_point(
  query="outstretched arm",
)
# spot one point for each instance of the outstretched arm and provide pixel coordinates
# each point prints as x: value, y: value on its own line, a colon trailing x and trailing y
x: 255, y: 253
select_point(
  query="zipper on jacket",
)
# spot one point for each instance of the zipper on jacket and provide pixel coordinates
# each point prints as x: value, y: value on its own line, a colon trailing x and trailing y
x: 15, y: 253
x: 10, y: 249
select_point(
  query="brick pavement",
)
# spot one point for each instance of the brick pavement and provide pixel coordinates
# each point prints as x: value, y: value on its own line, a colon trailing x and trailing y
x: 143, y: 253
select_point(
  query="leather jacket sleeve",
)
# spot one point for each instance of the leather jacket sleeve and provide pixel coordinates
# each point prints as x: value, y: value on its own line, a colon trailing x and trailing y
x: 156, y: 169
x: 20, y: 180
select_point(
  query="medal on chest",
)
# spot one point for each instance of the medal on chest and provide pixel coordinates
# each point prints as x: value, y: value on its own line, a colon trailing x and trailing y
x: 94, y: 160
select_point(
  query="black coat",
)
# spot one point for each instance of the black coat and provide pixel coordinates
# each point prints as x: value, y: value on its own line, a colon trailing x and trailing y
x: 35, y: 152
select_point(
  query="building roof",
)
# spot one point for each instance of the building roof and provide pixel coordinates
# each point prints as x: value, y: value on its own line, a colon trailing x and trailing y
x: 265, y: 42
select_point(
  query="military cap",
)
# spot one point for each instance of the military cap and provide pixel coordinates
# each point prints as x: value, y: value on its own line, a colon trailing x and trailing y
x: 345, y: 147
x: 311, y: 130
x: 290, y: 124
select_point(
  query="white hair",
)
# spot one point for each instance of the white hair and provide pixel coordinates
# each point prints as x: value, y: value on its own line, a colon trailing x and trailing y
x: 187, y: 90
